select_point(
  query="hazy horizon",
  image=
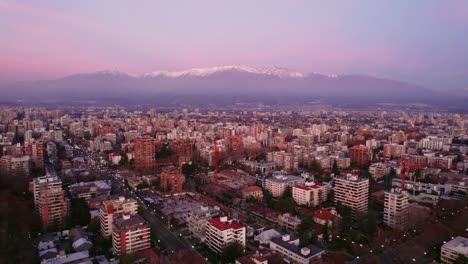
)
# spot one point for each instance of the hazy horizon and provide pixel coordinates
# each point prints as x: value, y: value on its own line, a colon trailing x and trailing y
x: 419, y: 42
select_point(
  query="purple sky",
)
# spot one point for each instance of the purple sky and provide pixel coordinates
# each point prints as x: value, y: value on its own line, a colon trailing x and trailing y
x: 421, y: 41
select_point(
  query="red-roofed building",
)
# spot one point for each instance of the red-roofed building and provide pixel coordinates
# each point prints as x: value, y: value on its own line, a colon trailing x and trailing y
x: 325, y: 216
x: 252, y: 191
x: 263, y: 255
x: 222, y: 231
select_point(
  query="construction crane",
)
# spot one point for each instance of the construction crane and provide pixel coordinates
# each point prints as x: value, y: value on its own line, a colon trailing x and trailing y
x: 215, y: 160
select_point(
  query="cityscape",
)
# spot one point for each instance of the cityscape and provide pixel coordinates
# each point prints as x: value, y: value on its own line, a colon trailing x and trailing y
x: 220, y: 157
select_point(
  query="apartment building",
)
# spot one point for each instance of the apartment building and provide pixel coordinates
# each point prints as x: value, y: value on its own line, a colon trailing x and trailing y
x: 87, y: 190
x: 171, y: 179
x: 15, y: 166
x: 197, y: 220
x: 223, y: 231
x: 130, y: 234
x: 284, y: 160
x: 393, y: 150
x: 352, y: 191
x: 359, y: 154
x: 310, y: 194
x: 52, y: 206
x: 292, y: 253
x: 35, y: 151
x: 453, y: 249
x: 279, y: 182
x: 114, y: 208
x: 43, y: 183
x: 396, y: 212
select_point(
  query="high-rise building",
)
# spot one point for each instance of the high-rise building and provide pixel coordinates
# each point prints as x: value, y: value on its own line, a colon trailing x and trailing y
x: 53, y: 206
x: 15, y: 166
x: 396, y: 209
x: 359, y: 154
x: 114, y: 208
x: 144, y: 152
x: 35, y: 150
x: 43, y: 183
x: 130, y: 234
x: 223, y: 231
x: 352, y: 191
x: 171, y: 179
x: 393, y: 150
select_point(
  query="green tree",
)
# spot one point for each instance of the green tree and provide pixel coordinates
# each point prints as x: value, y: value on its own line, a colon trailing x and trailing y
x: 126, y: 259
x: 79, y: 212
x: 189, y: 169
x: 305, y: 229
x: 335, y: 168
x: 287, y: 192
x: 142, y: 185
x: 346, y: 217
x: 461, y: 260
x: 388, y: 179
x: 231, y: 252
x: 370, y: 223
x: 286, y: 205
x: 326, y: 232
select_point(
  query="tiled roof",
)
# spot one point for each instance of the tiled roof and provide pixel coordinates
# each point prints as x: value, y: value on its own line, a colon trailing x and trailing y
x: 216, y: 222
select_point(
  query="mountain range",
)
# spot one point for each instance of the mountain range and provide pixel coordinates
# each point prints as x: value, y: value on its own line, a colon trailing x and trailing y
x: 229, y: 84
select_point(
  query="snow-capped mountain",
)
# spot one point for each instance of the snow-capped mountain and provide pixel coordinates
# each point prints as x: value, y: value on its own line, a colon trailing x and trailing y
x: 204, y: 72
x: 228, y: 84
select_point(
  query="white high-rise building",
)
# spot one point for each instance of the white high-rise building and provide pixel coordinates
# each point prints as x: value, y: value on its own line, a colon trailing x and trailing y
x: 352, y: 191
x: 396, y: 209
x: 114, y: 208
x: 223, y: 231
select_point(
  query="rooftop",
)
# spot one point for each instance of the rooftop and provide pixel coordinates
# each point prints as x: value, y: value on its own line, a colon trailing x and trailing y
x: 314, y: 250
x: 222, y: 225
x: 458, y: 244
x: 129, y: 222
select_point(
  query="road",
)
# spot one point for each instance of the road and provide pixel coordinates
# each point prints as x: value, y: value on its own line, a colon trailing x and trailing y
x: 171, y: 240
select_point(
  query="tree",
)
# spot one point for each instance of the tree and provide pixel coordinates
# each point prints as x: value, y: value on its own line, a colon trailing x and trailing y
x: 461, y: 260
x: 287, y: 192
x: 142, y: 185
x: 346, y: 216
x: 391, y: 174
x: 79, y: 212
x: 286, y: 205
x: 231, y: 252
x: 325, y: 232
x: 335, y: 168
x: 189, y: 169
x: 370, y: 223
x: 305, y: 229
x: 126, y: 259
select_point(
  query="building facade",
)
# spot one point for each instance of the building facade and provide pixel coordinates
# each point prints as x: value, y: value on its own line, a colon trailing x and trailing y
x: 130, y: 234
x: 114, y: 208
x: 396, y: 209
x: 223, y: 231
x: 352, y: 191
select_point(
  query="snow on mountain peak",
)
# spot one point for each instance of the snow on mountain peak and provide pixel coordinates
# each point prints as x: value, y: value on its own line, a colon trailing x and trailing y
x: 203, y: 72
x: 114, y: 73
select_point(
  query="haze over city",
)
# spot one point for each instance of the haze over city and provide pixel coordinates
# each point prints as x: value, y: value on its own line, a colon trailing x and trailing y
x: 234, y: 132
